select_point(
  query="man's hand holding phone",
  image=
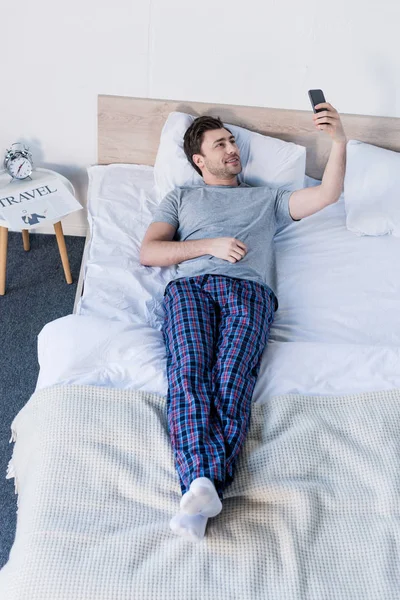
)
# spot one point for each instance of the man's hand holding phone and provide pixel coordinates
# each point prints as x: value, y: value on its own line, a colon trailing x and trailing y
x: 329, y: 120
x: 326, y: 118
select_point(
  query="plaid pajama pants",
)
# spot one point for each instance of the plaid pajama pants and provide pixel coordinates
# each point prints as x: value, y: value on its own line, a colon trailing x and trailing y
x: 215, y: 331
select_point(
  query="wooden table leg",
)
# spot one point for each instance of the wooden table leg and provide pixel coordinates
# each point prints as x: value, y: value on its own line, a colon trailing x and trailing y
x: 25, y: 239
x: 3, y: 259
x: 63, y: 251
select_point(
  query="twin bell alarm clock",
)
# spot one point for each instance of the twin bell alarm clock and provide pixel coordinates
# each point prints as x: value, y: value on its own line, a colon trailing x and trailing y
x: 18, y: 161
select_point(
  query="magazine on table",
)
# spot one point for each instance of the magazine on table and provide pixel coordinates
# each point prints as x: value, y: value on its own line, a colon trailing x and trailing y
x: 28, y: 204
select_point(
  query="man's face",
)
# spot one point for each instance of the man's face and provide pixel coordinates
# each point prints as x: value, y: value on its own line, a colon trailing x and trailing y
x: 220, y: 154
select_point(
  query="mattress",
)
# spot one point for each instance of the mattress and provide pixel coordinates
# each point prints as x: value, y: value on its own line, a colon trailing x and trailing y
x: 335, y: 331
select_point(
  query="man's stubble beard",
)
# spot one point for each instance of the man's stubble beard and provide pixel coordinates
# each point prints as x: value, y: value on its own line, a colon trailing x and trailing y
x: 223, y: 172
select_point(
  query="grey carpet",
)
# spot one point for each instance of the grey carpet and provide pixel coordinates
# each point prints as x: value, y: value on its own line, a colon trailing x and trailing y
x: 36, y: 293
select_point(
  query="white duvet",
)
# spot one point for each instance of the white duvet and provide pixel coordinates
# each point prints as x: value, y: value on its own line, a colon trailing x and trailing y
x: 93, y: 351
x: 336, y: 330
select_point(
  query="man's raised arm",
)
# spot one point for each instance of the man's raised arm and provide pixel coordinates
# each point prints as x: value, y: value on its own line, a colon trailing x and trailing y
x: 306, y: 202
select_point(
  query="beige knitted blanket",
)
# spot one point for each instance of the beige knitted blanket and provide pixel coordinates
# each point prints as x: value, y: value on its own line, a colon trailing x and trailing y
x: 312, y: 514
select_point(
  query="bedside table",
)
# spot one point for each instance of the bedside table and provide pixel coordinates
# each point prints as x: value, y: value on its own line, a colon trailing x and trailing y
x: 21, y: 196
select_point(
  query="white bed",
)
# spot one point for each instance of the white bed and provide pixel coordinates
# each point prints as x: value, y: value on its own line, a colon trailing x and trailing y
x: 314, y: 510
x: 330, y: 334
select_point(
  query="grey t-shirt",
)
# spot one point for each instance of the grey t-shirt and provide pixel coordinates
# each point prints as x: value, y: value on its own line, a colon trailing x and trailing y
x: 249, y: 214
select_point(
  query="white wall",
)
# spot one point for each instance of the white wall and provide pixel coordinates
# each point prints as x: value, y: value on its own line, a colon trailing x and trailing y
x: 58, y: 57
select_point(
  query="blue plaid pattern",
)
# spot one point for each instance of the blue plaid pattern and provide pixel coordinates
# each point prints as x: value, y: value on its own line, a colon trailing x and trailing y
x: 215, y: 331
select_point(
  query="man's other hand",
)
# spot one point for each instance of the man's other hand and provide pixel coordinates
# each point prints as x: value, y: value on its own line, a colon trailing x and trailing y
x: 227, y: 248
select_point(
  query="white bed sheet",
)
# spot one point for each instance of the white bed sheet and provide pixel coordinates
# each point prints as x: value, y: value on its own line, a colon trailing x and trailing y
x: 336, y: 329
x: 333, y: 286
x: 85, y: 350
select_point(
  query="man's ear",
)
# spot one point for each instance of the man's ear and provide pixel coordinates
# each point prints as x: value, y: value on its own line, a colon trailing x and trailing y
x: 198, y: 160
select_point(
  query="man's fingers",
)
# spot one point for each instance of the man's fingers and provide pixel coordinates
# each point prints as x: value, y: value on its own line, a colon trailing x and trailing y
x: 241, y: 245
x: 325, y: 113
x: 324, y: 120
x: 236, y: 255
x: 325, y: 105
x: 239, y: 250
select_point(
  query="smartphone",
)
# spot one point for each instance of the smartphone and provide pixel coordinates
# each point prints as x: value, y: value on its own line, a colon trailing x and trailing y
x: 316, y: 97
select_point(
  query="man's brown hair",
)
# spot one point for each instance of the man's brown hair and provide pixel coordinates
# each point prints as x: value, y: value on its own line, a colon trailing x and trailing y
x: 193, y: 137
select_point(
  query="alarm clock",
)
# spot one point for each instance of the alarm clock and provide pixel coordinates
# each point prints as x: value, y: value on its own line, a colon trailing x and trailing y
x: 18, y: 161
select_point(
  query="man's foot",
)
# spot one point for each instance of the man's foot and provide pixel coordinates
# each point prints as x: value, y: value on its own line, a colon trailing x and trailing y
x: 191, y: 527
x: 201, y: 499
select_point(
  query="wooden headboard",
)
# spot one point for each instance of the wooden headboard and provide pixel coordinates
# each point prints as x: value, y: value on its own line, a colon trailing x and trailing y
x: 129, y: 128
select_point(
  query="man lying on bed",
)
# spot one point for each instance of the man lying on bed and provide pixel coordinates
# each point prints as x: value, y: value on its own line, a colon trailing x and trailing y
x: 220, y: 307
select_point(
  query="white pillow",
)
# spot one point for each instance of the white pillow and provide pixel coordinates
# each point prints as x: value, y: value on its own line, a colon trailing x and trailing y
x: 265, y: 160
x: 122, y: 199
x: 372, y: 190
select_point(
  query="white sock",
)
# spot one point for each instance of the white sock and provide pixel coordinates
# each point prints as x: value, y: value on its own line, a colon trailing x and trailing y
x: 201, y: 499
x: 191, y: 527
